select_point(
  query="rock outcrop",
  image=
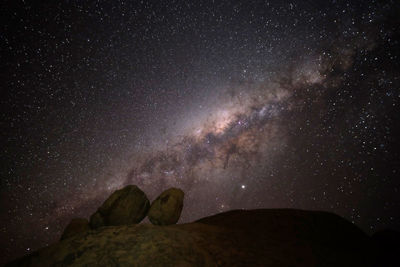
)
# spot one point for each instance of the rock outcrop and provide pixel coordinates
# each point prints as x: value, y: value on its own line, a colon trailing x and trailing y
x: 282, y: 237
x: 76, y: 226
x: 128, y: 205
x: 167, y: 207
x: 387, y: 245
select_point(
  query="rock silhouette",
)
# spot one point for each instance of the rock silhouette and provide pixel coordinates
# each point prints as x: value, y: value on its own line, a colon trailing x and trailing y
x: 76, y: 226
x: 128, y: 205
x: 167, y: 207
x: 275, y: 237
x: 387, y: 245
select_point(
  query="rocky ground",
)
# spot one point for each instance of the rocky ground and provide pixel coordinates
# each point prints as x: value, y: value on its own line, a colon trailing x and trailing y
x: 274, y: 237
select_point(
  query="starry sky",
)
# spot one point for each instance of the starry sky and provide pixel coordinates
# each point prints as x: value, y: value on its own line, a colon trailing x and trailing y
x: 242, y: 104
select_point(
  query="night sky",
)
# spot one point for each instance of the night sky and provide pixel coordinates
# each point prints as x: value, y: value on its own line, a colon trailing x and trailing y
x: 242, y: 104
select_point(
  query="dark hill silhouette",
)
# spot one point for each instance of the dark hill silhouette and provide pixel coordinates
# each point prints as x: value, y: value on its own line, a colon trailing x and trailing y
x: 387, y: 247
x: 265, y: 237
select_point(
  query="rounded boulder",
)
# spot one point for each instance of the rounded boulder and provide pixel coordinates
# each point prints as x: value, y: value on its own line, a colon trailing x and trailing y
x: 128, y: 205
x: 166, y: 208
x: 76, y: 226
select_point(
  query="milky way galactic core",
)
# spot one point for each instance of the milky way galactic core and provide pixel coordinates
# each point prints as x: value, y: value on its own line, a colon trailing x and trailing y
x: 241, y: 104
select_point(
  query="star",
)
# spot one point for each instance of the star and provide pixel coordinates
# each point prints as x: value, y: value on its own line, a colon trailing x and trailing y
x: 223, y: 100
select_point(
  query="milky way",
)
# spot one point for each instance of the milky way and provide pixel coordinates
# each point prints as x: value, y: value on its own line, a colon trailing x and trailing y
x: 242, y: 105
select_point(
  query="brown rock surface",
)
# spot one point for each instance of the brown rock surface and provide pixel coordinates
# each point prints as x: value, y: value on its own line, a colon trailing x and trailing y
x: 280, y: 237
x: 96, y: 220
x: 166, y: 209
x: 76, y: 226
x: 128, y: 205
